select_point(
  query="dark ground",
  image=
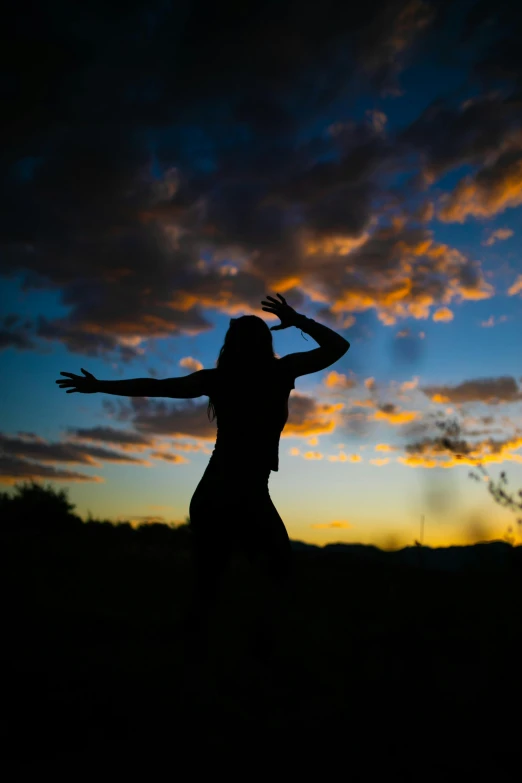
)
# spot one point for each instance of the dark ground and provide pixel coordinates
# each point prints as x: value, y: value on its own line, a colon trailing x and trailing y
x: 386, y: 669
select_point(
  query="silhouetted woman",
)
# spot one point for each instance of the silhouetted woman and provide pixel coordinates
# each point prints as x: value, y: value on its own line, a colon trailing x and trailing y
x: 248, y: 394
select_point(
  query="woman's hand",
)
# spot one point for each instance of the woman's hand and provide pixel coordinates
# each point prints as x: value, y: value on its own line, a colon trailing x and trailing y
x: 87, y: 385
x: 284, y: 312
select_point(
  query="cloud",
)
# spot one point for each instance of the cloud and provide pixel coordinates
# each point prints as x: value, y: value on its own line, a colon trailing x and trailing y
x: 433, y: 452
x: 402, y: 272
x: 342, y: 457
x: 490, y: 191
x: 151, y: 417
x: 16, y: 335
x: 405, y: 22
x: 384, y: 447
x: 392, y: 414
x: 369, y: 403
x: 491, y: 391
x: 380, y: 461
x: 191, y: 364
x: 335, y: 525
x: 409, y: 385
x: 117, y: 192
x: 176, y: 458
x: 14, y: 469
x: 443, y: 314
x: 153, y: 221
x: 498, y: 235
x: 492, y: 321
x: 516, y: 287
x: 338, y: 379
x: 313, y: 455
x: 125, y: 439
x: 449, y: 135
x: 185, y: 446
x: 370, y: 384
x: 146, y: 207
x: 62, y: 452
x: 424, y: 212
x: 157, y: 417
x: 377, y: 119
x: 143, y: 519
x: 308, y: 417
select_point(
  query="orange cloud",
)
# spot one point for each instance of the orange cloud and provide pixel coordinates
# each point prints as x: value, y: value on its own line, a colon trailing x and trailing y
x: 443, y: 314
x: 363, y: 404
x: 516, y: 287
x: 13, y: 469
x: 307, y: 417
x: 190, y: 363
x: 499, y: 235
x: 432, y: 453
x: 312, y: 455
x: 176, y: 458
x: 338, y: 379
x: 492, y: 190
x: 393, y: 415
x: 379, y: 461
x: 487, y: 390
x: 410, y: 385
x: 370, y: 383
x: 63, y: 451
x: 398, y: 280
x: 124, y: 439
x: 384, y: 447
x: 440, y: 398
x: 338, y: 523
x: 342, y: 457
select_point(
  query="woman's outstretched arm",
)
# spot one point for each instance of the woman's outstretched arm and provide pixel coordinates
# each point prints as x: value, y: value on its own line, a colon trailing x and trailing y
x: 193, y: 385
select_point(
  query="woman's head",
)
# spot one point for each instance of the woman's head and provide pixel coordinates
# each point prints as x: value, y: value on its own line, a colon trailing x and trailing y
x: 247, y: 347
x: 248, y: 341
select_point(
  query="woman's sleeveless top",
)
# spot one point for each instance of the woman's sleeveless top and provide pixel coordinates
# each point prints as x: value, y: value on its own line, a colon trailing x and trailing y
x: 251, y: 412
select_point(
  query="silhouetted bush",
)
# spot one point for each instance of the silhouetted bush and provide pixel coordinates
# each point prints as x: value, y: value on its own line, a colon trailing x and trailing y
x: 35, y: 508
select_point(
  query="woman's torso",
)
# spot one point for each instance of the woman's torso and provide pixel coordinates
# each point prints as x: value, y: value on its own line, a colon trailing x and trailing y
x: 251, y: 412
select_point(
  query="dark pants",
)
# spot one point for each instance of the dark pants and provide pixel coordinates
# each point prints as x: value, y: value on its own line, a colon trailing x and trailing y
x: 231, y: 510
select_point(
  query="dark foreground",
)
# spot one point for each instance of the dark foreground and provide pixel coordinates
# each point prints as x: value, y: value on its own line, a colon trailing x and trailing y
x: 389, y: 670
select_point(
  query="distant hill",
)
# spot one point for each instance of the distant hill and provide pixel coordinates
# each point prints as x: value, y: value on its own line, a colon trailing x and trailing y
x: 487, y: 554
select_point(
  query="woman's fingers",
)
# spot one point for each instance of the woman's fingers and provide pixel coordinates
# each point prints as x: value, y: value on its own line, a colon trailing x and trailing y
x: 70, y: 374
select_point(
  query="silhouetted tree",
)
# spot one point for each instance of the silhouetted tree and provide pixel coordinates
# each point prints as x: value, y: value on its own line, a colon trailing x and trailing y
x: 452, y: 440
x: 34, y: 507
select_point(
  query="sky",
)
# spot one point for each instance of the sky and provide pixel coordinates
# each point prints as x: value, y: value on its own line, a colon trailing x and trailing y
x: 167, y: 165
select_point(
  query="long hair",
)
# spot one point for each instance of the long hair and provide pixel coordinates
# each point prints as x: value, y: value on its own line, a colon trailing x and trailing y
x: 248, y: 347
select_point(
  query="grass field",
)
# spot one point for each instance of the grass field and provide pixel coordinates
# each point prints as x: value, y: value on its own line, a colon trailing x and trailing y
x: 388, y: 665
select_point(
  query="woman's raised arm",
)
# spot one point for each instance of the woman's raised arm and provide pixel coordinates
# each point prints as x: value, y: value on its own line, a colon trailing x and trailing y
x: 332, y: 347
